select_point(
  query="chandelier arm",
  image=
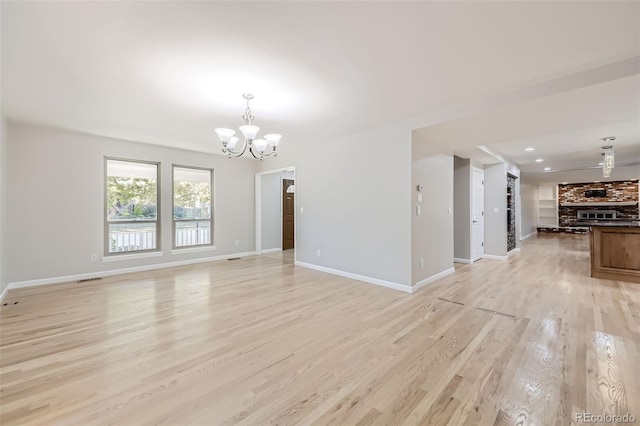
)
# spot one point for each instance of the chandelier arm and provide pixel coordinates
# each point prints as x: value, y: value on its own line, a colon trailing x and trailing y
x: 269, y: 154
x: 232, y: 153
x: 254, y: 155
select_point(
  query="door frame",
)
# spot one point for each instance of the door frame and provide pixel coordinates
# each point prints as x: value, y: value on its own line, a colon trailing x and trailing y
x: 258, y: 207
x: 472, y: 234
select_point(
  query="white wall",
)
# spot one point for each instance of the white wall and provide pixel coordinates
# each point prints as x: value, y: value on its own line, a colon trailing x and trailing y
x: 529, y: 207
x: 3, y: 204
x: 355, y: 195
x: 432, y: 231
x: 272, y: 209
x: 462, y: 194
x: 495, y: 197
x: 55, y: 194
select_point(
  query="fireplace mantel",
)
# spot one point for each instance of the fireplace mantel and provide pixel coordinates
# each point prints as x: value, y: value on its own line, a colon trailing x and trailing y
x: 600, y: 204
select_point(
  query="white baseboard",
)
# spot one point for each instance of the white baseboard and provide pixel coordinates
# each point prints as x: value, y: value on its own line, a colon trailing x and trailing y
x: 491, y: 256
x: 433, y: 278
x: 100, y: 274
x: 529, y: 235
x: 370, y: 280
x: 515, y: 250
x: 4, y: 293
x: 459, y: 260
x: 273, y: 250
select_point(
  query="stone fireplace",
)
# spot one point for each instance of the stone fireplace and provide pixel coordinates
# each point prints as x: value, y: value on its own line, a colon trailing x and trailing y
x: 597, y: 201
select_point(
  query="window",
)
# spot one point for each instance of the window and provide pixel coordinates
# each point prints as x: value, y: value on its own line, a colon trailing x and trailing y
x: 192, y: 218
x: 132, y: 206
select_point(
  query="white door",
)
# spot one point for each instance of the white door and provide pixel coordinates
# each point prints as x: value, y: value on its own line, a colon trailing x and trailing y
x: 477, y: 210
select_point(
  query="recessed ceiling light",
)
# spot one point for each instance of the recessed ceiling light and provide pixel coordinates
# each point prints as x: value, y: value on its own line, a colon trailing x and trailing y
x: 530, y: 149
x: 564, y: 183
x: 600, y: 164
x: 546, y: 169
x: 596, y: 181
x: 539, y: 160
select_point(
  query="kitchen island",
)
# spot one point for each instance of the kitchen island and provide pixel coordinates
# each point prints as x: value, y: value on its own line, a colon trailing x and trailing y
x: 615, y: 249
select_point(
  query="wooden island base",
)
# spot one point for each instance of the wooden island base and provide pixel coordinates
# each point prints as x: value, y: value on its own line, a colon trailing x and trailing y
x: 615, y: 253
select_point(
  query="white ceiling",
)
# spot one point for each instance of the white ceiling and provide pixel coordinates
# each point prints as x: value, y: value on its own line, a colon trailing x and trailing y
x: 574, y: 150
x: 170, y: 72
x: 565, y: 129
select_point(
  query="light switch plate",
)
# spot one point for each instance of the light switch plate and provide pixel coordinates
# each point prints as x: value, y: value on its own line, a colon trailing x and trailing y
x: 301, y: 210
x: 496, y: 210
x: 418, y: 211
x: 419, y: 198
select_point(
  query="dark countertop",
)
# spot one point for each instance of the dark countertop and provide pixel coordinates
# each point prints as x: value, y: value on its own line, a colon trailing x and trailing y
x: 608, y: 223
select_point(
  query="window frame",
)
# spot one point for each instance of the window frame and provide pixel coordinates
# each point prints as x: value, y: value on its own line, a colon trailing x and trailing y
x: 157, y: 221
x: 211, y: 243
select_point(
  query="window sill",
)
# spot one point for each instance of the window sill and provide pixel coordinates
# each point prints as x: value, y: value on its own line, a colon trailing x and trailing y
x: 192, y: 250
x: 117, y: 258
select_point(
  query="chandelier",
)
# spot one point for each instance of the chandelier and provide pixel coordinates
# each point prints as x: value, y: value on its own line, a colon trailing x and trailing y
x: 608, y: 161
x: 257, y: 147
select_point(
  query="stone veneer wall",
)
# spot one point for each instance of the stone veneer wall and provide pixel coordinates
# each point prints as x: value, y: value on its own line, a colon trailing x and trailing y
x: 511, y: 205
x: 616, y: 191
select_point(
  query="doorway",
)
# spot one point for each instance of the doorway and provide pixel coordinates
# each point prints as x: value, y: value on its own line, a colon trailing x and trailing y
x: 477, y: 215
x: 275, y: 211
x: 288, y: 213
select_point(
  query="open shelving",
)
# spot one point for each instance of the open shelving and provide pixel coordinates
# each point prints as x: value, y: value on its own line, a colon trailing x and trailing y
x: 548, y: 206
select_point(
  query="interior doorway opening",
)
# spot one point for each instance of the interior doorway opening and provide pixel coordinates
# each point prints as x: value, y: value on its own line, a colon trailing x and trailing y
x: 275, y: 210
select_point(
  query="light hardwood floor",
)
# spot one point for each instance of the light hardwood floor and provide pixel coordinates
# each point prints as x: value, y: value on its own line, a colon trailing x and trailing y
x: 257, y: 341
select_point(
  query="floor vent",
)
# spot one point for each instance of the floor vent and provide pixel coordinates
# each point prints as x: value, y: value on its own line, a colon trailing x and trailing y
x: 88, y: 279
x: 234, y: 258
x: 451, y: 301
x: 497, y: 313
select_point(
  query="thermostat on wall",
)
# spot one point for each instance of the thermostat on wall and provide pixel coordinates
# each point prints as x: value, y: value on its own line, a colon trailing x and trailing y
x: 419, y: 187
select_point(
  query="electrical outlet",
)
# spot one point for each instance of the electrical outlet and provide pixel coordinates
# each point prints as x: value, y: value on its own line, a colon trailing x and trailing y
x: 237, y: 243
x: 450, y: 210
x: 301, y: 210
x: 318, y: 252
x: 421, y: 263
x: 94, y: 257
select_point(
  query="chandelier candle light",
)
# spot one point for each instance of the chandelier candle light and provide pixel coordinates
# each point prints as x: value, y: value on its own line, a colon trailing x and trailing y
x: 609, y: 161
x: 257, y: 147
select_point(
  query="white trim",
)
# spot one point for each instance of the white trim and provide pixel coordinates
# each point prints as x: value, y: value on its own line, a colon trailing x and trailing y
x: 4, y: 293
x: 100, y: 274
x: 471, y: 204
x: 186, y: 250
x: 491, y: 256
x: 433, y: 278
x: 527, y: 236
x: 283, y: 169
x: 258, y: 205
x: 257, y: 202
x: 515, y: 250
x: 458, y: 260
x: 273, y: 250
x: 133, y: 256
x: 370, y: 280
